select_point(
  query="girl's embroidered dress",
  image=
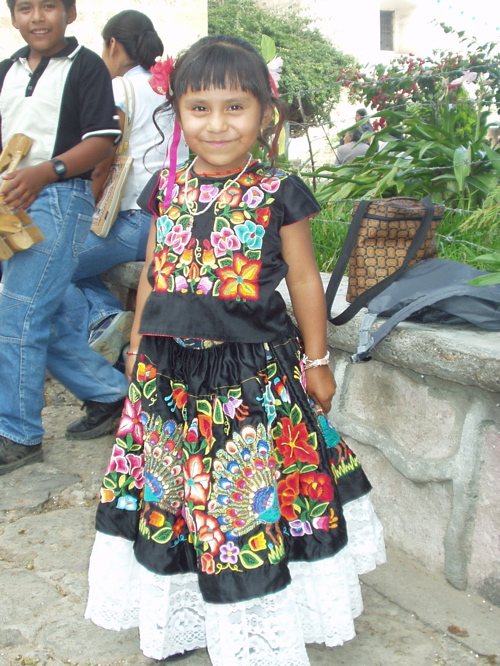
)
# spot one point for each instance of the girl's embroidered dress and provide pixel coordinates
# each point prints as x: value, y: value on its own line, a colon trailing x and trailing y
x: 232, y: 515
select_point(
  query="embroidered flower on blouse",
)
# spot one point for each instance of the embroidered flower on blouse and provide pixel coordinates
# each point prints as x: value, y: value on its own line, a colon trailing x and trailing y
x: 250, y: 234
x: 224, y: 241
x: 253, y: 197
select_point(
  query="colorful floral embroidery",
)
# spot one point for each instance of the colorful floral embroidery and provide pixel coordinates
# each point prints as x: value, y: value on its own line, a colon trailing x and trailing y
x: 227, y: 264
x: 236, y: 503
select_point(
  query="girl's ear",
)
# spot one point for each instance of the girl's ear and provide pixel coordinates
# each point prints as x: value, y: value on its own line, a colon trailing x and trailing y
x: 267, y: 117
x: 112, y: 46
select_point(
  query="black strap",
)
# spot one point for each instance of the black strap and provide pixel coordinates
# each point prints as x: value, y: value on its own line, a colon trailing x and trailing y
x: 346, y: 252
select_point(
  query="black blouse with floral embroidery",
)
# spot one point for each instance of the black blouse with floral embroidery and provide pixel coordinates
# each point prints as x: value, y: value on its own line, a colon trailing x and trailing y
x: 215, y: 274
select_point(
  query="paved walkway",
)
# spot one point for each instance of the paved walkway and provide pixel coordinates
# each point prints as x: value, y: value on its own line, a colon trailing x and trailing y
x: 46, y: 533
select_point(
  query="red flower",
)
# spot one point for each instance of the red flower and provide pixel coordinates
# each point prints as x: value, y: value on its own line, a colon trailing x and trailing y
x: 160, y: 81
x: 316, y: 486
x: 207, y: 564
x: 205, y: 425
x: 180, y: 397
x: 208, y: 531
x: 178, y: 526
x: 288, y: 490
x: 293, y: 444
x: 262, y: 216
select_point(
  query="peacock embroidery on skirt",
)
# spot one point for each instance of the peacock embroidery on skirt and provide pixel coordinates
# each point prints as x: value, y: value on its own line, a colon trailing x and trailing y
x: 245, y: 476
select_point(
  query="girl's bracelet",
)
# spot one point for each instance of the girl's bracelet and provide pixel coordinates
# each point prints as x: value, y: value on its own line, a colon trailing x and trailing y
x: 308, y: 364
x: 131, y: 353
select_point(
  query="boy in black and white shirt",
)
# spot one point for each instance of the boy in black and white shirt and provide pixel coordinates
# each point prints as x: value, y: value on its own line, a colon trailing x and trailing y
x: 59, y: 94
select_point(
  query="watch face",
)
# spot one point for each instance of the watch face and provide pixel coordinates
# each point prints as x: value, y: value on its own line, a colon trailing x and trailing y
x: 59, y: 167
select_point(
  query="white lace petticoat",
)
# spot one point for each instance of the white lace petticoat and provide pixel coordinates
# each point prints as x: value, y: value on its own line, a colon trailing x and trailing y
x: 318, y: 607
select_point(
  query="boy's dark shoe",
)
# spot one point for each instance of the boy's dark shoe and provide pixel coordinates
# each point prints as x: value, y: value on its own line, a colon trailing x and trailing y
x: 14, y: 455
x: 99, y: 420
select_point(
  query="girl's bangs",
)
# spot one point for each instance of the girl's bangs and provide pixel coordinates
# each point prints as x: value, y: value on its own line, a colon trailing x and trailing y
x: 222, y: 68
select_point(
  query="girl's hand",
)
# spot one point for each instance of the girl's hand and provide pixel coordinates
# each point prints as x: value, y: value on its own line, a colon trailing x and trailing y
x: 129, y: 366
x: 321, y: 387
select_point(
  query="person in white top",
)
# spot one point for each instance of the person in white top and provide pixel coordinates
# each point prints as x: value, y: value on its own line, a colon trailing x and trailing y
x: 131, y: 46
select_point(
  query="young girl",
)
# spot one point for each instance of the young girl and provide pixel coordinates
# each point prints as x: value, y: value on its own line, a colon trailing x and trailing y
x: 226, y: 507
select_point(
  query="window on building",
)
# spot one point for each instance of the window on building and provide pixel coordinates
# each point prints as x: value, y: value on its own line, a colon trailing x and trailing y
x: 387, y: 31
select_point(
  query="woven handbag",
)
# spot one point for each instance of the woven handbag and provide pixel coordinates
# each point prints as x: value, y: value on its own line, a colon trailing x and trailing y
x: 384, y: 238
x: 108, y: 202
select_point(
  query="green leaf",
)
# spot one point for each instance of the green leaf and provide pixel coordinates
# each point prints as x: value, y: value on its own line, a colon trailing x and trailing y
x: 318, y: 509
x: 149, y: 388
x: 133, y: 393
x: 204, y: 407
x: 249, y: 559
x: 164, y: 535
x: 267, y: 48
x: 461, y: 165
x: 494, y: 157
x: 486, y: 280
x: 493, y: 257
x: 218, y: 415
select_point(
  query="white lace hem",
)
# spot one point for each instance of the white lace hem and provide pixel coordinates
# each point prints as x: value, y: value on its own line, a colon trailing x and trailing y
x: 318, y: 607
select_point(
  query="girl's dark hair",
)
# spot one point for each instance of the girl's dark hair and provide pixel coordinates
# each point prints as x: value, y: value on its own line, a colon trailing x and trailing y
x: 219, y: 61
x: 136, y: 33
x: 67, y: 4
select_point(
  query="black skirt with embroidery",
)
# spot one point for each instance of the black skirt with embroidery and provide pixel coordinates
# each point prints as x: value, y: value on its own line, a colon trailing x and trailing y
x: 222, y: 467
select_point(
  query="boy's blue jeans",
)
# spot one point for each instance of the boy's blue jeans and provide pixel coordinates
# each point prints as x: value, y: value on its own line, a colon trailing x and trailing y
x: 35, y: 331
x: 126, y: 241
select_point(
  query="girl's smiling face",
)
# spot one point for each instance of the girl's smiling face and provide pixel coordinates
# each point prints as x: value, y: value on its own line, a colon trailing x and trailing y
x: 42, y: 24
x: 220, y: 126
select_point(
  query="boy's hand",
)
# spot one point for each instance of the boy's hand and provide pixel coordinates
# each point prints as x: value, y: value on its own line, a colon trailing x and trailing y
x: 321, y: 387
x: 21, y: 188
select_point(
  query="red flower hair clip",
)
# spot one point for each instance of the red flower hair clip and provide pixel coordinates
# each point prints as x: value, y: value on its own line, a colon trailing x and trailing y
x: 160, y: 81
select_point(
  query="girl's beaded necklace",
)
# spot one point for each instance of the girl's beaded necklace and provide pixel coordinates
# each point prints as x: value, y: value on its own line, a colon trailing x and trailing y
x: 224, y: 189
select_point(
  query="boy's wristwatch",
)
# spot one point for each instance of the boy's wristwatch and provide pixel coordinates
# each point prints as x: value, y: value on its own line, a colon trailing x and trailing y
x: 59, y: 167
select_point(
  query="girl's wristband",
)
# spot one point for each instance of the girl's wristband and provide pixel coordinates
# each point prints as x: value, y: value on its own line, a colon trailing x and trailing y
x: 131, y: 353
x: 308, y: 364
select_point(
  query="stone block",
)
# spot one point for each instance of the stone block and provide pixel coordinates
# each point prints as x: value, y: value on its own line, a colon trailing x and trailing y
x: 484, y: 570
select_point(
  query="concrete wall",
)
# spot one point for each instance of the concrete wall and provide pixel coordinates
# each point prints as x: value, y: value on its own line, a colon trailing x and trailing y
x: 424, y: 418
x: 179, y: 22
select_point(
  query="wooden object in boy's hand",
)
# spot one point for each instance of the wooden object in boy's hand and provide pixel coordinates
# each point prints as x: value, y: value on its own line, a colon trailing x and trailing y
x: 17, y: 231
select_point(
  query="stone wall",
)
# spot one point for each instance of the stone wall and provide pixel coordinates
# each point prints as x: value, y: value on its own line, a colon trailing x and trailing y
x: 423, y: 415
